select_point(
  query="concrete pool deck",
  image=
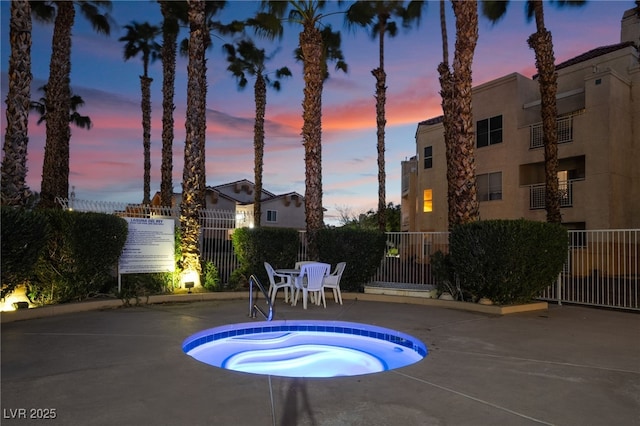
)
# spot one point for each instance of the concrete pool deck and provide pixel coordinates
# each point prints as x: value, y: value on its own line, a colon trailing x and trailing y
x: 565, y: 365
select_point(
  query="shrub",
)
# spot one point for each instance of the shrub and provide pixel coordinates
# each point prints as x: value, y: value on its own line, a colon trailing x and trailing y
x: 362, y: 249
x: 238, y: 280
x: 135, y: 286
x: 171, y: 280
x: 24, y: 235
x: 254, y: 246
x: 210, y: 278
x: 81, y: 253
x: 444, y: 274
x: 507, y: 261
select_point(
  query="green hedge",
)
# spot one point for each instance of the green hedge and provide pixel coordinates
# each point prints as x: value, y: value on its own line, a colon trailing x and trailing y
x: 362, y: 249
x: 507, y: 261
x: 24, y: 235
x: 254, y: 246
x: 80, y: 256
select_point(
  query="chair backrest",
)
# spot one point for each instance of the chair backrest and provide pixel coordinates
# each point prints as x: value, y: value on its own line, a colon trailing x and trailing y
x: 333, y: 279
x: 303, y: 262
x: 339, y: 269
x: 314, y: 273
x: 270, y: 272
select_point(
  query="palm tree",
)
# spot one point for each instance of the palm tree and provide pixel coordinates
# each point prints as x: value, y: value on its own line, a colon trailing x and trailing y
x: 55, y: 168
x: 140, y: 39
x: 173, y: 13
x: 14, y: 191
x: 211, y: 9
x: 378, y: 15
x: 314, y: 53
x: 542, y: 44
x: 446, y: 87
x: 76, y: 101
x: 458, y: 119
x: 246, y: 60
x: 195, y: 124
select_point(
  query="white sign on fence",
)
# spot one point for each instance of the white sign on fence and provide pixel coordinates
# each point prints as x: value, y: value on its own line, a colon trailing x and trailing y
x: 149, y: 248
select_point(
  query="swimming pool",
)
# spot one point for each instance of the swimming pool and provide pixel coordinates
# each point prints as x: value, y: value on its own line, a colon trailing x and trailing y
x: 305, y: 348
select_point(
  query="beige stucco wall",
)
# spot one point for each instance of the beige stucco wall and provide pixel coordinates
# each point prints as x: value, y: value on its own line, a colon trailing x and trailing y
x: 290, y: 214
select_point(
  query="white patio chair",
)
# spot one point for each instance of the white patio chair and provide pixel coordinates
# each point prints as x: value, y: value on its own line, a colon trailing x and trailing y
x: 298, y: 265
x: 277, y: 281
x: 303, y: 262
x: 332, y: 281
x: 310, y: 281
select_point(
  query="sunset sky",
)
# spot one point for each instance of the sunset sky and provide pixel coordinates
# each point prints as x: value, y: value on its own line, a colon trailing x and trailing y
x: 107, y: 161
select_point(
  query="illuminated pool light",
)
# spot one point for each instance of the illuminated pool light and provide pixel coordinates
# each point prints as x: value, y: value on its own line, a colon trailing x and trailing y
x: 305, y: 348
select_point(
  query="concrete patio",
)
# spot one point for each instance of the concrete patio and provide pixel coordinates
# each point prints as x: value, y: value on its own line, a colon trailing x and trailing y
x: 566, y: 365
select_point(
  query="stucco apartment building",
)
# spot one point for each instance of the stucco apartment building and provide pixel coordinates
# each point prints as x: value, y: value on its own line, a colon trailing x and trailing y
x: 278, y: 210
x: 598, y: 103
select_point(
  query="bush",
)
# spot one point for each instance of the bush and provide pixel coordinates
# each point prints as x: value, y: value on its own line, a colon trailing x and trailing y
x: 210, y: 278
x: 80, y: 256
x: 135, y: 286
x: 507, y: 261
x: 24, y: 235
x: 362, y: 249
x: 254, y: 246
x: 444, y: 274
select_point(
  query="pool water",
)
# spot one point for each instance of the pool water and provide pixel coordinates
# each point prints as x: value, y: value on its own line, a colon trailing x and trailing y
x: 305, y: 348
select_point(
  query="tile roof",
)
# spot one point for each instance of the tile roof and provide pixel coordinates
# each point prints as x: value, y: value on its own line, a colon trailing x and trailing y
x: 432, y: 121
x: 593, y: 53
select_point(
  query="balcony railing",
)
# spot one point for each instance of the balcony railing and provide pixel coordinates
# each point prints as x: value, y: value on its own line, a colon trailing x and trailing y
x: 565, y: 132
x: 537, y: 195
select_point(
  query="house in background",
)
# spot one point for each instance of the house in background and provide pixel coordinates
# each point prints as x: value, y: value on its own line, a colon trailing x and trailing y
x: 598, y: 102
x: 284, y: 211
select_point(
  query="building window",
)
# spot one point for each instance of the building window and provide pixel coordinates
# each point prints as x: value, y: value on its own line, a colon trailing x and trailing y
x: 489, y: 186
x: 489, y: 131
x: 272, y: 216
x: 427, y: 201
x: 428, y: 157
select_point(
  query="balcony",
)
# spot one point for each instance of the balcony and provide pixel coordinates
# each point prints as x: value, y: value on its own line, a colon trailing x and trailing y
x: 565, y: 193
x: 565, y: 132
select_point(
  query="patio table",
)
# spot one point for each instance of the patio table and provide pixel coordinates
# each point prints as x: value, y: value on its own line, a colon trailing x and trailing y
x: 291, y: 273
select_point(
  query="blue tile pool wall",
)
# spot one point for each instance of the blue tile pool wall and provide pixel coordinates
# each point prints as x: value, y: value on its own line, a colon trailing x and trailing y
x: 392, y: 338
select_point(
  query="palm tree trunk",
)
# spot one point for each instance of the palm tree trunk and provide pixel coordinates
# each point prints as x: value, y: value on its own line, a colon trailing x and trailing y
x: 195, y: 125
x: 446, y: 92
x: 145, y: 85
x: 14, y: 191
x: 169, y: 46
x: 542, y: 45
x: 381, y: 100
x: 381, y: 121
x: 260, y: 93
x: 55, y: 168
x: 311, y: 46
x: 466, y: 205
